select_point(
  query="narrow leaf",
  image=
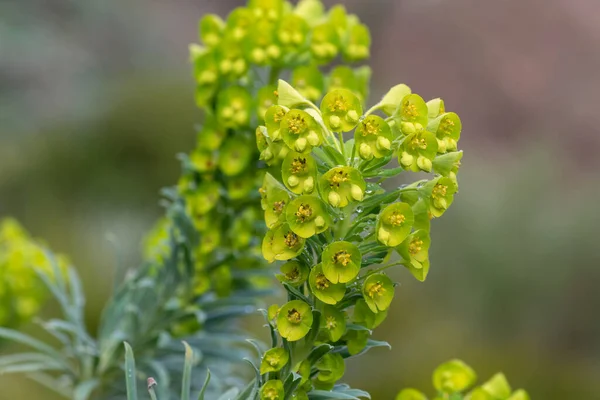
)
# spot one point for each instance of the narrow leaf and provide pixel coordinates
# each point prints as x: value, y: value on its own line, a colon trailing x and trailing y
x: 130, y: 373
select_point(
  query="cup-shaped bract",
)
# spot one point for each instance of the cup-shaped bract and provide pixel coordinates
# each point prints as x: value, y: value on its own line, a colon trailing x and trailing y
x: 323, y: 289
x: 394, y: 224
x: 308, y: 80
x: 410, y: 394
x: 454, y: 376
x: 341, y: 110
x: 294, y: 320
x: 341, y: 261
x: 281, y: 243
x: 363, y: 315
x: 203, y: 199
x: 294, y: 273
x: 417, y: 151
x: 299, y: 172
x: 307, y: 216
x: 274, y: 359
x: 334, y: 323
x: 300, y: 131
x: 447, y: 128
x: 378, y: 291
x: 272, y: 390
x: 415, y: 251
x: 442, y: 192
x: 276, y: 200
x: 373, y: 138
x: 235, y: 155
x: 331, y: 368
x: 211, y: 28
x: 412, y: 114
x: 342, y: 185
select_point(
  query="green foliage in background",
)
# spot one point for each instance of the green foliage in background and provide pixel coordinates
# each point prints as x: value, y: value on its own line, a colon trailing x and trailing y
x: 452, y: 380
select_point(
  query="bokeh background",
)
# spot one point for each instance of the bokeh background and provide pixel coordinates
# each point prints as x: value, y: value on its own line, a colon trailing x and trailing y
x: 96, y: 98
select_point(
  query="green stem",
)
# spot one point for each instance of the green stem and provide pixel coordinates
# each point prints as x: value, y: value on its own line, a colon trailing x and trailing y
x: 341, y: 138
x: 374, y: 271
x: 274, y: 75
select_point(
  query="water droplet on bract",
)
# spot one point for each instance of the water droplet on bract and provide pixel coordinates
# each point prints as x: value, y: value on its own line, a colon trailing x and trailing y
x: 403, y: 186
x: 369, y: 191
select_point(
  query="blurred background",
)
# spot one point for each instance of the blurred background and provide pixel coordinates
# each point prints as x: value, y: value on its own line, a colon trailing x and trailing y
x: 96, y: 98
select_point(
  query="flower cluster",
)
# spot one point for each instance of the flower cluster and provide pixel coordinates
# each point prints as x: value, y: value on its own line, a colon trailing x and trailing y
x: 236, y: 68
x: 331, y: 220
x: 22, y: 291
x: 453, y: 378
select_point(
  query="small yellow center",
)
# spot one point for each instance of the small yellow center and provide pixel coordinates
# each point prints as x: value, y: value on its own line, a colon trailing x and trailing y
x: 370, y: 128
x: 291, y: 239
x: 296, y: 124
x: 342, y: 257
x: 415, y: 246
x: 322, y: 282
x: 338, y: 105
x: 293, y: 274
x: 278, y: 116
x: 439, y: 190
x: 396, y: 218
x: 272, y: 359
x: 418, y: 143
x: 304, y: 212
x: 447, y: 126
x: 298, y: 165
x: 376, y: 289
x: 330, y: 322
x: 410, y: 110
x: 278, y: 206
x: 294, y: 316
x: 338, y: 178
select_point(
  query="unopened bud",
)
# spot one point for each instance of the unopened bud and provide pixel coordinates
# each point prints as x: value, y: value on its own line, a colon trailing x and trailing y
x: 293, y: 181
x: 300, y: 144
x: 383, y: 236
x: 352, y: 116
x: 356, y: 192
x: 313, y: 138
x: 383, y: 143
x: 334, y: 198
x: 406, y: 159
x: 319, y: 222
x: 309, y: 184
x: 334, y: 121
x: 365, y: 151
x: 424, y: 163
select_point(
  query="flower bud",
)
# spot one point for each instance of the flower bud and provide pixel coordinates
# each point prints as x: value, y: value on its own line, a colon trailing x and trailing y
x: 293, y: 181
x: 450, y: 144
x: 334, y: 198
x: 352, y: 116
x: 424, y: 163
x: 442, y: 147
x: 266, y: 155
x: 313, y: 138
x: 406, y: 159
x: 383, y: 235
x: 258, y: 55
x: 275, y: 135
x: 320, y: 222
x: 300, y: 144
x: 309, y: 184
x: 383, y: 143
x: 407, y: 128
x: 273, y: 51
x: 356, y: 192
x: 227, y: 112
x: 365, y: 151
x: 440, y: 203
x: 334, y: 121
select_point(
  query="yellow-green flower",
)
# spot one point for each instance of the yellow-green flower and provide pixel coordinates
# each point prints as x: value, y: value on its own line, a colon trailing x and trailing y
x: 394, y: 224
x: 307, y: 216
x: 341, y: 185
x: 293, y: 272
x: 203, y: 199
x: 378, y: 292
x: 373, y: 138
x: 294, y: 320
x: 300, y: 131
x: 417, y: 151
x: 276, y: 202
x: 358, y: 43
x: 341, y: 110
x: 441, y: 195
x: 325, y: 290
x: 308, y: 80
x: 447, y: 128
x: 363, y: 315
x: 273, y: 117
x: 281, y: 243
x: 410, y: 394
x: 299, y: 172
x: 211, y: 28
x: 334, y: 323
x: 266, y: 98
x: 341, y: 261
x: 331, y: 368
x: 454, y: 376
x: 273, y: 360
x: 235, y: 155
x: 292, y: 33
x: 272, y: 390
x: 415, y: 251
x: 234, y: 106
x: 412, y: 114
x: 324, y: 43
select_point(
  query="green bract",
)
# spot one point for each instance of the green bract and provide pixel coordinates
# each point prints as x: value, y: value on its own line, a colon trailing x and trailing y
x: 417, y: 151
x: 276, y: 202
x: 447, y: 129
x: 364, y: 316
x: 414, y: 249
x: 411, y: 394
x: 341, y: 110
x: 299, y: 172
x: 308, y: 79
x: 331, y: 368
x: 300, y: 131
x: 234, y: 107
x: 378, y: 291
x: 273, y: 360
x: 281, y: 243
x: 394, y: 224
x: 294, y: 320
x: 334, y: 323
x: 411, y: 114
x: 235, y: 155
x: 373, y: 138
x: 341, y: 262
x: 307, y: 216
x: 323, y: 289
x: 293, y: 272
x: 453, y: 376
x: 272, y: 390
x: 341, y: 185
x: 441, y: 195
